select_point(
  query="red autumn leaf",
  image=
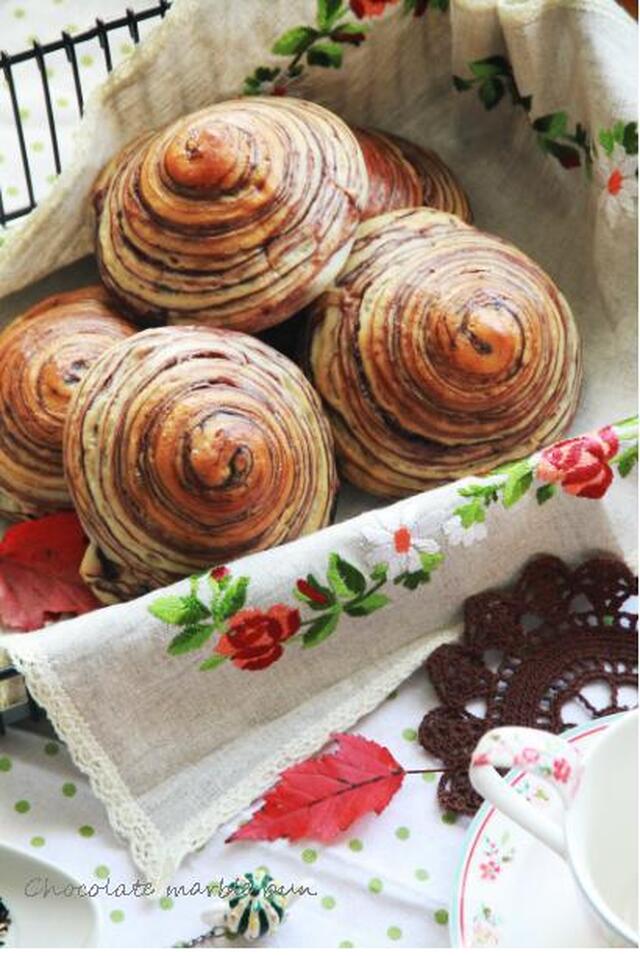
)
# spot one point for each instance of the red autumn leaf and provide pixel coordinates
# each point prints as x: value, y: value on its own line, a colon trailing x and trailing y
x: 39, y: 571
x: 321, y: 797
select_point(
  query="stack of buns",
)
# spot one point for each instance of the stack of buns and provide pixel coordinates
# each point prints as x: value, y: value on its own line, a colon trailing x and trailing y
x: 431, y: 349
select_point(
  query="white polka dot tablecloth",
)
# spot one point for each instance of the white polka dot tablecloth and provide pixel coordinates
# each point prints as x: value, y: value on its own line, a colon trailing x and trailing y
x: 387, y: 882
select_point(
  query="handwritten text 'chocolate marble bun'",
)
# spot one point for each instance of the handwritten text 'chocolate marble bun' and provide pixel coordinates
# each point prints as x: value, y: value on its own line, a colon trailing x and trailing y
x: 403, y: 174
x: 185, y: 448
x: 234, y: 217
x: 440, y: 351
x: 44, y: 355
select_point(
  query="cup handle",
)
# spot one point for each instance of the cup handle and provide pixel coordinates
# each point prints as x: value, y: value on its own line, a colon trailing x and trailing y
x: 552, y: 758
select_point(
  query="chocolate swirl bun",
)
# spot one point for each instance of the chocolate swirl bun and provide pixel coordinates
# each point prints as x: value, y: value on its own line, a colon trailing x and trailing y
x: 233, y: 217
x: 440, y: 351
x: 185, y: 448
x: 44, y: 355
x: 402, y: 174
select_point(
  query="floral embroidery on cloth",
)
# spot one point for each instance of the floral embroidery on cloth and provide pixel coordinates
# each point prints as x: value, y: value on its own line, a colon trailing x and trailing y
x: 213, y: 618
x: 322, y: 43
x: 614, y: 153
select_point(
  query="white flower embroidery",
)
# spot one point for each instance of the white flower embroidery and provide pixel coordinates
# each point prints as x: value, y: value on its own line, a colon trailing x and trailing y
x: 458, y: 534
x: 617, y: 175
x: 399, y: 545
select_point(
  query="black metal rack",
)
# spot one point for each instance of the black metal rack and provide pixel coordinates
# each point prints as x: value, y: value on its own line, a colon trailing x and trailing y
x: 39, y: 52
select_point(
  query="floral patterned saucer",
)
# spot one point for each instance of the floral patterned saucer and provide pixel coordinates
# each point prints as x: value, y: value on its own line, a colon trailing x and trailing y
x: 510, y: 889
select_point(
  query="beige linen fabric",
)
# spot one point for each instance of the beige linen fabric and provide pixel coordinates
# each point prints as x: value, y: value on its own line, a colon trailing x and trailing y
x: 171, y: 750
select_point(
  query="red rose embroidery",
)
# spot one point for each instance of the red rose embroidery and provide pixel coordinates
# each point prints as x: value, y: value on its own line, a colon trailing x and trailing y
x: 254, y: 638
x: 312, y: 593
x: 221, y: 572
x: 561, y: 770
x: 580, y: 464
x: 370, y: 8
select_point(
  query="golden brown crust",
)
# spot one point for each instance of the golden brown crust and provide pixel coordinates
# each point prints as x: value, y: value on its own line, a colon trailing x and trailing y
x: 393, y: 181
x: 440, y: 351
x: 189, y: 447
x: 403, y: 174
x: 235, y: 217
x: 44, y: 355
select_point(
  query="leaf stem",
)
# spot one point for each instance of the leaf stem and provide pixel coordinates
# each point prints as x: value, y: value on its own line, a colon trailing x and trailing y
x: 361, y: 597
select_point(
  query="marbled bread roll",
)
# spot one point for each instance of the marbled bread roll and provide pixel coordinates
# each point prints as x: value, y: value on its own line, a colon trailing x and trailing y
x: 403, y: 174
x: 44, y: 355
x: 234, y: 217
x: 440, y: 351
x: 188, y: 447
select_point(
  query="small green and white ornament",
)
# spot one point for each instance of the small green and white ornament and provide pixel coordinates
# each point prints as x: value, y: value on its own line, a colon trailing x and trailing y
x: 251, y: 908
x: 256, y: 908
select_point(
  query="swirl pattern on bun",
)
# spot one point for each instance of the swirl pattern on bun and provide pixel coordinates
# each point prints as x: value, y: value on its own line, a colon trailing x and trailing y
x: 235, y: 216
x: 44, y: 355
x: 403, y: 174
x: 440, y: 351
x: 186, y: 448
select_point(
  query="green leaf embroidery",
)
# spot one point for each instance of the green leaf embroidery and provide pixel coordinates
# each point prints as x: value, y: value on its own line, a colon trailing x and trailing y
x: 179, y: 610
x: 354, y: 33
x: 492, y: 66
x: 487, y: 493
x: 328, y: 13
x: 461, y: 84
x: 295, y: 40
x: 233, y: 599
x: 367, y: 605
x: 262, y: 74
x: 552, y: 125
x: 379, y: 572
x: 430, y: 560
x: 325, y: 54
x: 212, y: 662
x: 412, y: 579
x: 630, y: 139
x: 517, y: 484
x: 491, y: 92
x: 321, y: 628
x: 346, y: 580
x: 544, y: 493
x: 191, y: 638
x: 626, y: 460
x: 470, y: 514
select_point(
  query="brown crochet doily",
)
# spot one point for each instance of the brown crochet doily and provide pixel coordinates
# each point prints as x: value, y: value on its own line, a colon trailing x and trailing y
x: 524, y: 655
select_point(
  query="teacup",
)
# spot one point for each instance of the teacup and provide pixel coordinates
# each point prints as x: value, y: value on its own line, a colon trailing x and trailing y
x: 598, y: 835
